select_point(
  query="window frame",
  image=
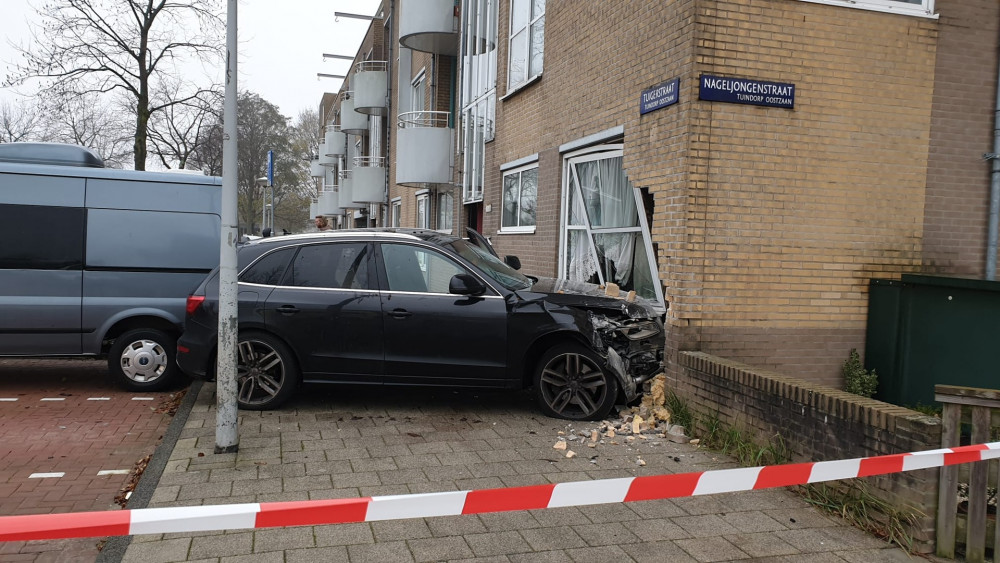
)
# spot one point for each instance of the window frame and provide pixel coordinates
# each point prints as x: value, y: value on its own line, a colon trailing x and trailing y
x: 924, y: 9
x: 439, y: 207
x: 417, y: 88
x: 423, y: 205
x: 395, y: 212
x: 518, y: 229
x: 529, y: 22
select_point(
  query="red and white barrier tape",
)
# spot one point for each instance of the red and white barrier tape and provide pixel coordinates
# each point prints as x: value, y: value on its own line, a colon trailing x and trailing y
x: 395, y: 507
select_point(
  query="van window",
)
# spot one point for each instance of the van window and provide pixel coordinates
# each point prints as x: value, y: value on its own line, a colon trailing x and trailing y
x: 41, y: 237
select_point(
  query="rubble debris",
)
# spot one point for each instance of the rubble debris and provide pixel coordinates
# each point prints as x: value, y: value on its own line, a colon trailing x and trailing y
x: 637, y: 424
x: 571, y: 454
x: 694, y: 442
x: 594, y: 436
x: 676, y: 434
x: 560, y: 445
x: 612, y: 290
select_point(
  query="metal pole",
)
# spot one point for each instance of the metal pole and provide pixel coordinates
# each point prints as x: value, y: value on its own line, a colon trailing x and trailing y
x: 226, y: 436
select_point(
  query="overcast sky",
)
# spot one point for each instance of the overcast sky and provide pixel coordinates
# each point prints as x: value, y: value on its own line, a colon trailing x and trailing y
x: 281, y: 46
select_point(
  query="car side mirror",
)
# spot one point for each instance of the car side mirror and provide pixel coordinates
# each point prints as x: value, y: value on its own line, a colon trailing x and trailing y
x: 465, y: 284
x: 512, y: 261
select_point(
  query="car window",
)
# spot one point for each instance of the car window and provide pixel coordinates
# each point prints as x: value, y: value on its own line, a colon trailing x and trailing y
x: 269, y: 269
x: 339, y: 265
x: 417, y: 269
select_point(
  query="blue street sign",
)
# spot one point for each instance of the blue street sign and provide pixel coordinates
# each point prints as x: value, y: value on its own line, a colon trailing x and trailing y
x: 270, y: 168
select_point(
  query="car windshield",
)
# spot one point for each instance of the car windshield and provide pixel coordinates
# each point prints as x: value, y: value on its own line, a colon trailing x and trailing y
x: 491, y: 265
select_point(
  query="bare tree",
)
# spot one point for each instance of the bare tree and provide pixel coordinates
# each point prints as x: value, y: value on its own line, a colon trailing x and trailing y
x: 19, y: 121
x: 88, y: 121
x: 179, y: 131
x: 129, y: 46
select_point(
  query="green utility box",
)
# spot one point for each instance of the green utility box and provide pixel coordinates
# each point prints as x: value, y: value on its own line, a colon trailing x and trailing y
x: 925, y: 330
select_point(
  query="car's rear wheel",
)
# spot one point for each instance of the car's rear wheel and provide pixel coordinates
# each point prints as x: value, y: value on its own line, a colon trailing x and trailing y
x: 571, y: 383
x: 144, y: 360
x: 266, y: 374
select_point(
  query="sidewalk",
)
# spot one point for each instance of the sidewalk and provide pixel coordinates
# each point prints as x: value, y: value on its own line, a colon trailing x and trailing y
x: 332, y: 443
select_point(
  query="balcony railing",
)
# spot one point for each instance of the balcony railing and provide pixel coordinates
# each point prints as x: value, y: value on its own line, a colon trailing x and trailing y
x: 368, y: 180
x: 371, y: 87
x: 424, y: 148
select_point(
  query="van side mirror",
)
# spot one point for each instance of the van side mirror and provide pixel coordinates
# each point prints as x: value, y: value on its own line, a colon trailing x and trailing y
x: 465, y: 284
x: 512, y: 261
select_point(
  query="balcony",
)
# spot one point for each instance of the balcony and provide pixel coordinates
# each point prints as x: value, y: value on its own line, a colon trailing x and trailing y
x: 351, y: 121
x: 430, y: 26
x: 336, y: 141
x: 368, y: 180
x: 371, y: 88
x: 346, y: 188
x: 316, y: 170
x: 325, y: 159
x: 423, y: 150
x: 329, y: 201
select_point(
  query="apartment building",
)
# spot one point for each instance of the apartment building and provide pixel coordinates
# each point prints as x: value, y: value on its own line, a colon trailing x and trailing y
x: 750, y: 164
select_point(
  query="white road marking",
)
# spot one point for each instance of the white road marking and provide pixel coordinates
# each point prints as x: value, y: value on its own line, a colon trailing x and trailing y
x: 53, y: 398
x: 45, y: 475
x: 7, y: 399
x: 112, y: 472
x: 142, y: 398
x: 99, y: 398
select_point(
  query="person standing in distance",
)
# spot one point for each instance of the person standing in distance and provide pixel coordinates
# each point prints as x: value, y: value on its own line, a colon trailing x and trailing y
x: 322, y: 223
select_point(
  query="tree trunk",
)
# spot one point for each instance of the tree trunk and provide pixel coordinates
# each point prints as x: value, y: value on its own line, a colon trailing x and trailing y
x: 141, y: 125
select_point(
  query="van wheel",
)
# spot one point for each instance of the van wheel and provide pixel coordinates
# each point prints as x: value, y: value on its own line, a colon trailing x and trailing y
x: 570, y: 383
x: 266, y: 375
x: 144, y: 360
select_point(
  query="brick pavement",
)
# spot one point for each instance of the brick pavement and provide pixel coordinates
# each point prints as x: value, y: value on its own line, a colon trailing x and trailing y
x: 68, y: 439
x: 336, y: 443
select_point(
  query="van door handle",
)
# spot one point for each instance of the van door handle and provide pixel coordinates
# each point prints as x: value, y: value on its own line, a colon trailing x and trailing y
x: 288, y: 309
x: 400, y: 313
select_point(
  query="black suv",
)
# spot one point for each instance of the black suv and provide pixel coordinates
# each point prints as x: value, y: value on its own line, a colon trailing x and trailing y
x: 405, y: 307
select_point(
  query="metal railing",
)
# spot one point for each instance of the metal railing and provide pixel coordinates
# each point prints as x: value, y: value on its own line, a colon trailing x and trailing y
x: 369, y: 162
x: 371, y: 66
x: 423, y: 119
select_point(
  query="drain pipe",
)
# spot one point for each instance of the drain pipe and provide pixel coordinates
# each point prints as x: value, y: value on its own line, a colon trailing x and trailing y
x: 994, y: 222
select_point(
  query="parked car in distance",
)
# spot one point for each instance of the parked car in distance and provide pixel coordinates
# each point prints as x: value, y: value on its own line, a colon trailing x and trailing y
x: 99, y: 262
x: 415, y: 307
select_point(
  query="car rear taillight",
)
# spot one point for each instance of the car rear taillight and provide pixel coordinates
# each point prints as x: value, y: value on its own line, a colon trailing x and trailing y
x: 193, y: 302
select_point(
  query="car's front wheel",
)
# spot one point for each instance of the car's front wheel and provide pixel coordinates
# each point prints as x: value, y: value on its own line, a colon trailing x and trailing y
x: 266, y: 375
x: 570, y: 383
x: 144, y: 360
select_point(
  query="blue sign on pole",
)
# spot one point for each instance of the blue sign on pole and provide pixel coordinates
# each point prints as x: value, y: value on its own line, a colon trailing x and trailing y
x: 659, y: 96
x: 746, y: 91
x: 270, y: 168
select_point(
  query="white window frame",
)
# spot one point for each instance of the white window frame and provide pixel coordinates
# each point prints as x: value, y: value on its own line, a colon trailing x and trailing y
x: 450, y: 208
x: 527, y: 229
x: 423, y: 207
x: 478, y: 91
x: 417, y: 91
x: 395, y: 212
x: 925, y: 8
x: 530, y: 21
x: 601, y: 152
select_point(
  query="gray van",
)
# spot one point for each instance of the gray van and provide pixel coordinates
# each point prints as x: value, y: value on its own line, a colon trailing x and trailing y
x: 99, y: 262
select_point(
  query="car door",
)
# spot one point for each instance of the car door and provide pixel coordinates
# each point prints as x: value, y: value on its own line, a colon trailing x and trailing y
x: 432, y: 336
x: 327, y: 308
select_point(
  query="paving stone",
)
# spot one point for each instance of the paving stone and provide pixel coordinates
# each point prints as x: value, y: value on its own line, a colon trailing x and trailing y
x: 551, y: 556
x: 269, y: 557
x: 599, y: 554
x: 761, y: 545
x: 506, y: 521
x: 221, y: 545
x: 813, y: 540
x: 886, y: 554
x: 657, y: 552
x: 558, y: 537
x: 283, y: 538
x: 752, y: 521
x: 439, y: 549
x: 444, y: 526
x: 165, y: 551
x: 343, y: 534
x: 257, y: 486
x: 385, y: 552
x: 497, y: 543
x: 610, y: 533
x: 704, y: 526
x: 392, y: 530
x: 708, y: 549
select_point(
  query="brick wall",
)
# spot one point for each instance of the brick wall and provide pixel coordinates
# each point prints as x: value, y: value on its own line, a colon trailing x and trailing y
x: 817, y: 423
x: 955, y: 222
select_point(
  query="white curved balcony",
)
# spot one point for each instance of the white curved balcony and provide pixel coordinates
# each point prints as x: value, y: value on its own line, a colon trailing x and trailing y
x: 313, y: 207
x: 423, y: 149
x: 351, y: 121
x: 316, y: 170
x: 368, y: 180
x: 326, y: 159
x: 371, y: 87
x: 430, y: 26
x: 346, y: 188
x: 336, y: 141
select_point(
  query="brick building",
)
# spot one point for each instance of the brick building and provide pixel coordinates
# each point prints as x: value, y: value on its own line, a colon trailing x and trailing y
x: 751, y: 163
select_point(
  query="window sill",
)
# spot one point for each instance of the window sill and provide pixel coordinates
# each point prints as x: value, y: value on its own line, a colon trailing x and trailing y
x: 522, y: 86
x: 516, y: 231
x: 902, y: 9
